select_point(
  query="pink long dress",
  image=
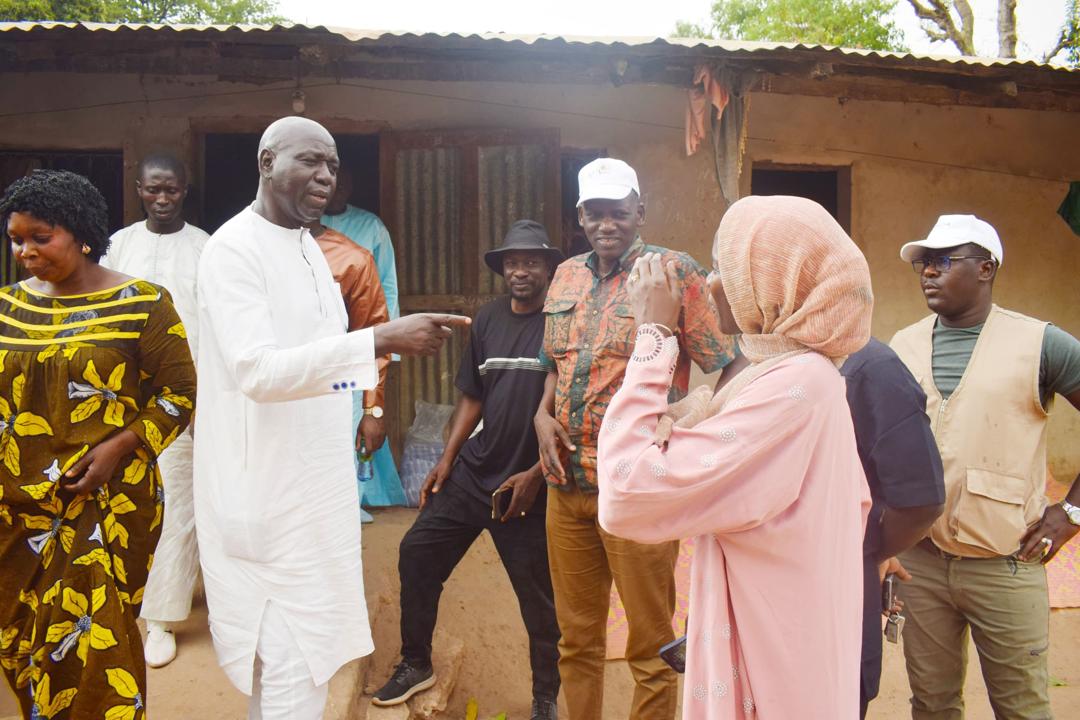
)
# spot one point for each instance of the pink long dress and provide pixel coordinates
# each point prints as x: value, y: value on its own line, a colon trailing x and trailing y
x: 773, y: 491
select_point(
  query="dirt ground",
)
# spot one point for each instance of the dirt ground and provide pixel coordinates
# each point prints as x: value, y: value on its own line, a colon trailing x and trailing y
x: 479, y: 607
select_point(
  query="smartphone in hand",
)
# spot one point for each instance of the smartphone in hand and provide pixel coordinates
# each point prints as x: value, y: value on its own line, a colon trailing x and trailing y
x: 888, y: 592
x: 894, y: 626
x: 500, y: 501
x: 674, y: 654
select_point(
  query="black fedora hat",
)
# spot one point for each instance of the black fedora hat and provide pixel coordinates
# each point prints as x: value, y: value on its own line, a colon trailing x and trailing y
x: 524, y: 236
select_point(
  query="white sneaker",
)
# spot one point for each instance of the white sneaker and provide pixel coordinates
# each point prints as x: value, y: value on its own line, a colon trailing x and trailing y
x: 160, y: 649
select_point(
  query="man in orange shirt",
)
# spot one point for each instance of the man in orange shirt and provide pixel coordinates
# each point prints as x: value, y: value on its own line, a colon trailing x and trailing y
x: 355, y: 271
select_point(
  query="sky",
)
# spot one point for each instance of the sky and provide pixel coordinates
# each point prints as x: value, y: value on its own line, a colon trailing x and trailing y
x: 1038, y: 20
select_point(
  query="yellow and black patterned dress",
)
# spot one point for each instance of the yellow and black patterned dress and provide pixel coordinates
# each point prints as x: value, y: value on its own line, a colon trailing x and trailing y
x: 73, y: 371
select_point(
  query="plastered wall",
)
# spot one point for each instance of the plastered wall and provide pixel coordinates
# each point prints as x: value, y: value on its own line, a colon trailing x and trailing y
x: 912, y: 163
x: 909, y: 163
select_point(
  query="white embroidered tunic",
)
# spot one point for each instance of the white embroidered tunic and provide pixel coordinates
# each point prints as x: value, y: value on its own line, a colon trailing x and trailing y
x: 276, y: 502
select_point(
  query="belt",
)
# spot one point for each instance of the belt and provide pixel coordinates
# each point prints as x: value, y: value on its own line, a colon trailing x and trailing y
x: 928, y: 545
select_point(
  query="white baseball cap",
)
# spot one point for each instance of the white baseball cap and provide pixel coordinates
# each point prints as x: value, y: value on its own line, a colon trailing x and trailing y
x: 952, y: 230
x: 606, y: 179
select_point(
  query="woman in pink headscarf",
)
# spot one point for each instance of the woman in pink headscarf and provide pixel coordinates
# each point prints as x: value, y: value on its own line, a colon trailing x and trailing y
x: 765, y: 474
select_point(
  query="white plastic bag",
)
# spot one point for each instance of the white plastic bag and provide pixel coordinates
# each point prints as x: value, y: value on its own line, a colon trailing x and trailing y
x: 424, y: 445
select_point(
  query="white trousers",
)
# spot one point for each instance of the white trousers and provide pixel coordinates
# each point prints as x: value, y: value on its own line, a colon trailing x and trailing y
x: 176, y: 560
x: 282, y: 688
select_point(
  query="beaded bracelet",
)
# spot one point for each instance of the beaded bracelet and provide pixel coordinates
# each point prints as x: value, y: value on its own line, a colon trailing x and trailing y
x: 653, y: 332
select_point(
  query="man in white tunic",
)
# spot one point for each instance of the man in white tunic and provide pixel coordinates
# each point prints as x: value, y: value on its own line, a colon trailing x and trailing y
x: 165, y: 250
x: 276, y: 503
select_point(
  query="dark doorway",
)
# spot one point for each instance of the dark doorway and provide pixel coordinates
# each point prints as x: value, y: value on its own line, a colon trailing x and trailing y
x: 230, y: 173
x: 828, y: 186
x: 104, y: 168
x: 574, y: 241
x: 230, y: 176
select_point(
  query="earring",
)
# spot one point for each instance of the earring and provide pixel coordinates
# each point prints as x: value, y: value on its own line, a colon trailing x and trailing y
x: 85, y: 249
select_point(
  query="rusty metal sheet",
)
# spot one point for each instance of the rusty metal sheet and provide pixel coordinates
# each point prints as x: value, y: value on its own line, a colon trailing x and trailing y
x: 428, y: 220
x: 511, y: 179
x: 430, y: 379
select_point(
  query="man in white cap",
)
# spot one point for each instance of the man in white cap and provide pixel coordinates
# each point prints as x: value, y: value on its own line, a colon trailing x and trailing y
x: 588, y: 340
x: 989, y: 376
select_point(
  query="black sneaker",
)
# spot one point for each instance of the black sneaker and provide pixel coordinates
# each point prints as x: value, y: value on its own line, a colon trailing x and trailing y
x: 544, y: 709
x: 403, y: 684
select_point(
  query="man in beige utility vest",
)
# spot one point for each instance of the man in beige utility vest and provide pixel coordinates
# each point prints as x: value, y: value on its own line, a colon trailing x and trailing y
x: 990, y: 376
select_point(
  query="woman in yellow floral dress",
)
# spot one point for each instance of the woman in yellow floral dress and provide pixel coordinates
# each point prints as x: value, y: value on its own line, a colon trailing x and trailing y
x: 96, y: 379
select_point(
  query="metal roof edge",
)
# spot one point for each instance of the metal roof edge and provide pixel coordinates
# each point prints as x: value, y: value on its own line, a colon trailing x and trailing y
x: 427, y: 39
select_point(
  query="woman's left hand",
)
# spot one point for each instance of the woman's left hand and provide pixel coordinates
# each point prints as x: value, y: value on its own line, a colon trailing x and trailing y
x: 99, y: 464
x: 655, y: 291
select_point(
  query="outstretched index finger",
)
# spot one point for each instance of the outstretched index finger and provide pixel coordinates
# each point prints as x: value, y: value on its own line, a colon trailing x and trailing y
x: 451, y: 321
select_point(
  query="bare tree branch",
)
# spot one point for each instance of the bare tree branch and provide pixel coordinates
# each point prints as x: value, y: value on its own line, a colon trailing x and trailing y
x: 1058, y: 47
x: 1006, y: 24
x: 967, y: 27
x: 938, y: 22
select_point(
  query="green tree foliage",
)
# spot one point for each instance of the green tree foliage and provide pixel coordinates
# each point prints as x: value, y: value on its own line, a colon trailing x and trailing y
x: 849, y: 23
x: 87, y: 10
x: 221, y: 12
x: 1067, y: 47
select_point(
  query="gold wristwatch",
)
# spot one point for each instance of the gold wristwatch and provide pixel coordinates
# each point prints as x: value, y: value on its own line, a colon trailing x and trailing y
x: 374, y: 411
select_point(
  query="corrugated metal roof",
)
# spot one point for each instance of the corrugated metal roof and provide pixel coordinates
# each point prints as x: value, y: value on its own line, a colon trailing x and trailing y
x: 688, y: 46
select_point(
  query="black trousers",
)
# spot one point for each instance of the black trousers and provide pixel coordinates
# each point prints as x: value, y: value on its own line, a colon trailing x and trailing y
x: 447, y: 526
x: 870, y: 676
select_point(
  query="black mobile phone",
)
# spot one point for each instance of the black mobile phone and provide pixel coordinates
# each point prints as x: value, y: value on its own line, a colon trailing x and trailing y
x: 888, y: 592
x: 500, y: 502
x: 674, y: 654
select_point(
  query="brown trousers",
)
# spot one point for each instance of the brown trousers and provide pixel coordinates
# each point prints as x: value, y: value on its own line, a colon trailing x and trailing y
x: 584, y: 560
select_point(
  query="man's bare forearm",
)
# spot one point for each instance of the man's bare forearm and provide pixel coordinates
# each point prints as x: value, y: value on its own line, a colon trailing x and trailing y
x: 547, y: 402
x: 467, y: 414
x: 536, y: 472
x: 901, y: 528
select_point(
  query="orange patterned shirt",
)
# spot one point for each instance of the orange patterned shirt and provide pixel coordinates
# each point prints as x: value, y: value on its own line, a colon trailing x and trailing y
x: 589, y: 337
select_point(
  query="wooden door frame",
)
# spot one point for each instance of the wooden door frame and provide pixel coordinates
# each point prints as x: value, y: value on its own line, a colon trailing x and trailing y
x: 470, y: 140
x: 843, y: 183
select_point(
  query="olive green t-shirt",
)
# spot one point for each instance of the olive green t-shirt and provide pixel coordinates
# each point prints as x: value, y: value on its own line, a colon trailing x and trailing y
x: 1059, y: 366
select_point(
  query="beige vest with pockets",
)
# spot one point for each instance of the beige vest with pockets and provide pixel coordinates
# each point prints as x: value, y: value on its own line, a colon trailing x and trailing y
x: 991, y: 433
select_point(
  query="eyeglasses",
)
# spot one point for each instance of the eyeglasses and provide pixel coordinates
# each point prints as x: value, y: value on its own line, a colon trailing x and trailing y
x: 942, y: 263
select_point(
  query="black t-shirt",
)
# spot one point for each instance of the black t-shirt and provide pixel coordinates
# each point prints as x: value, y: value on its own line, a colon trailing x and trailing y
x: 900, y: 458
x: 500, y: 368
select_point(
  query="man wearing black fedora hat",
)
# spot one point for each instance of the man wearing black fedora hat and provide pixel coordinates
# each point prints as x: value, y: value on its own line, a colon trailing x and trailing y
x: 491, y: 481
